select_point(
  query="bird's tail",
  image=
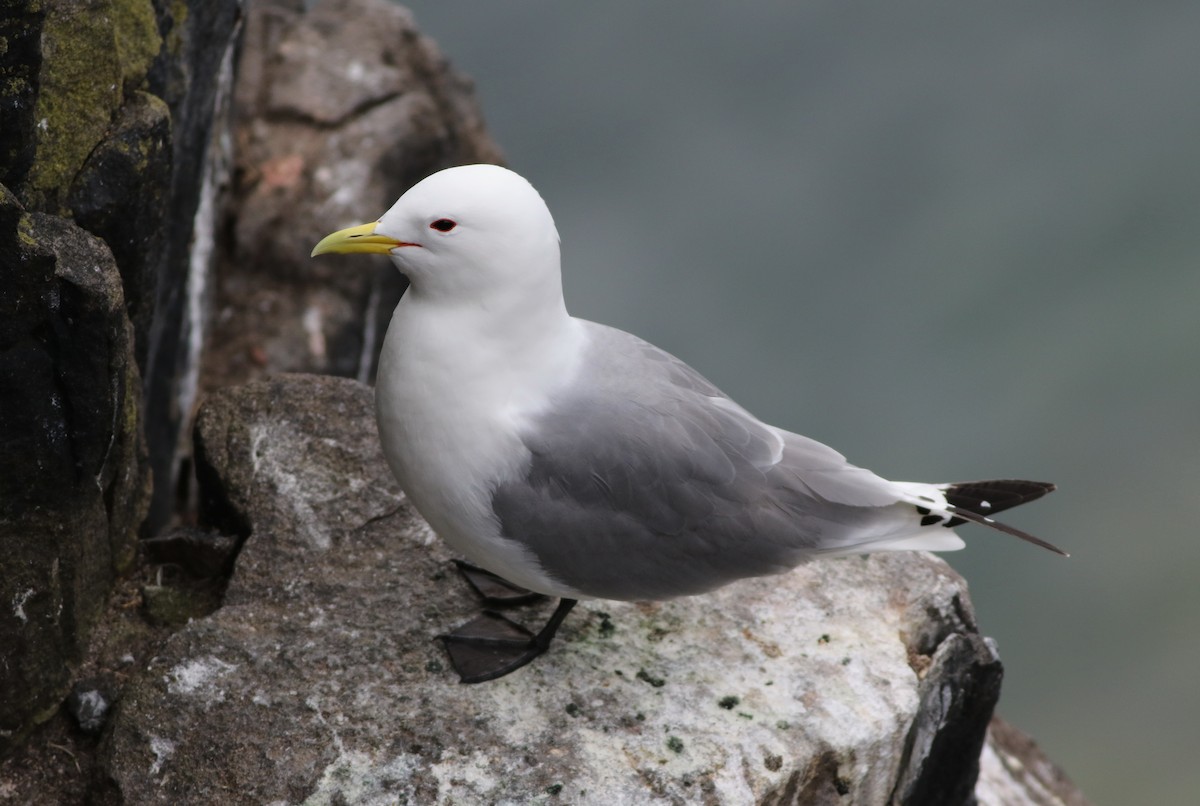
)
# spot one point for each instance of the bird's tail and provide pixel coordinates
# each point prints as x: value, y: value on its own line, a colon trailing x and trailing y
x: 977, y: 501
x: 935, y: 510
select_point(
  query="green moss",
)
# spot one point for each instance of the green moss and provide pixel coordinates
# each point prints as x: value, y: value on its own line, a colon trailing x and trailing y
x: 80, y: 86
x: 25, y: 232
x: 675, y: 744
x: 607, y: 628
x: 136, y: 496
x: 135, y: 30
x: 728, y: 703
x: 170, y: 606
x: 179, y: 15
x: 646, y: 677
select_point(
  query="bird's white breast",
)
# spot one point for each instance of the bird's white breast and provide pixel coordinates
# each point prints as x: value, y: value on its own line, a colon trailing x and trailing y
x: 450, y: 406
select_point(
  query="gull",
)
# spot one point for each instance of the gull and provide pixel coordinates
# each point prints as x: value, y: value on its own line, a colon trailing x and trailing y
x: 574, y: 460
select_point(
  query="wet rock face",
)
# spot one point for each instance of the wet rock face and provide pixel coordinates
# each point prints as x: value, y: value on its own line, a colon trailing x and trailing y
x: 193, y: 75
x: 843, y: 681
x: 74, y: 483
x: 109, y: 111
x: 120, y: 194
x: 96, y: 217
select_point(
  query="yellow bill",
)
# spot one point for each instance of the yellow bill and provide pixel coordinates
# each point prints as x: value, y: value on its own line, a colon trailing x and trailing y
x: 356, y: 240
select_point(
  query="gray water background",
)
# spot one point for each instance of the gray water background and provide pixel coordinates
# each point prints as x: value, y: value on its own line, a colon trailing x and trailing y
x: 954, y: 241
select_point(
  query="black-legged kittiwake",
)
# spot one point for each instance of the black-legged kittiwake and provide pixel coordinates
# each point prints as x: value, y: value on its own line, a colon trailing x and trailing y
x: 578, y: 461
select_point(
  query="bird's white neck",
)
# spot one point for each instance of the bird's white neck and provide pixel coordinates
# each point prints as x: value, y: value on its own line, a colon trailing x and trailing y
x: 493, y: 348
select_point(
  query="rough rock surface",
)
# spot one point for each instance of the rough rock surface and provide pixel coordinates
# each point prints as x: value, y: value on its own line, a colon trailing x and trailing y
x: 107, y: 112
x: 193, y: 76
x: 1014, y: 772
x: 115, y: 123
x: 73, y: 480
x: 108, y: 119
x: 858, y: 680
x: 340, y: 110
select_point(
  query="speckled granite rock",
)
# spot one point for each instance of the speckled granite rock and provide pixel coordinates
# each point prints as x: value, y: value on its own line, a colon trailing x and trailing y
x: 1015, y: 772
x: 858, y: 680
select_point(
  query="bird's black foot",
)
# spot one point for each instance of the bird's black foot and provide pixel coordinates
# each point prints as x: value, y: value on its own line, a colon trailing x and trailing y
x: 491, y: 646
x: 493, y: 589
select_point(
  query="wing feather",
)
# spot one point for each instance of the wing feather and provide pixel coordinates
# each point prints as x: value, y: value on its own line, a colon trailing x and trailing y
x: 646, y: 482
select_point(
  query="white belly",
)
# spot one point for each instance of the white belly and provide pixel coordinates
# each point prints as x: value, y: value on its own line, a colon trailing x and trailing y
x: 450, y: 434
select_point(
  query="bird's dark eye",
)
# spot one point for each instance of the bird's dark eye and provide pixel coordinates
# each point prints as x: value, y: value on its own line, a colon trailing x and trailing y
x: 443, y: 225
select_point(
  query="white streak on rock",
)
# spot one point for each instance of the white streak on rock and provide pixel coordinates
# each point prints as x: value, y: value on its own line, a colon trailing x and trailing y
x: 162, y: 749
x: 19, y: 605
x: 197, y: 678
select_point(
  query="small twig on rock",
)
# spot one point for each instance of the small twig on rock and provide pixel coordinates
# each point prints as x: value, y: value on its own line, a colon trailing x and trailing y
x: 66, y: 750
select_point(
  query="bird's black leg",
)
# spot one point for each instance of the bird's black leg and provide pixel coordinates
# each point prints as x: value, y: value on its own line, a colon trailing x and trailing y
x: 495, y: 590
x: 491, y: 646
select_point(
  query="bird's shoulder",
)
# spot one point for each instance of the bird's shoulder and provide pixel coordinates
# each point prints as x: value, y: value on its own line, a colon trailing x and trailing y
x: 632, y: 402
x: 619, y: 363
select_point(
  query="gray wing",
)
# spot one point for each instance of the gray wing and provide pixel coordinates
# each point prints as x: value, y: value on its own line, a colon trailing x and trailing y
x: 645, y: 482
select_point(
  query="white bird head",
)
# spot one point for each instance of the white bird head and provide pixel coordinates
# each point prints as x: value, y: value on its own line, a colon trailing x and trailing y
x: 466, y: 234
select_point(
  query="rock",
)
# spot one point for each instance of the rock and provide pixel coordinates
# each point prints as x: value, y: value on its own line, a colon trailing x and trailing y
x: 193, y: 75
x: 860, y: 680
x: 176, y: 605
x: 198, y: 553
x: 1015, y: 772
x: 189, y: 568
x: 959, y: 690
x: 70, y: 84
x: 121, y: 194
x: 110, y: 112
x: 107, y: 122
x: 340, y: 110
x: 73, y: 483
x: 56, y: 765
x: 88, y: 706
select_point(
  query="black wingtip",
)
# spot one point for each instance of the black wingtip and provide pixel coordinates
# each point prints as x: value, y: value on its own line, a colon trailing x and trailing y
x: 977, y: 501
x: 995, y: 495
x: 983, y: 520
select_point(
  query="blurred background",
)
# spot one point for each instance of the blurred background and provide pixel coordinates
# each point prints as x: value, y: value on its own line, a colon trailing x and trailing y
x: 954, y: 245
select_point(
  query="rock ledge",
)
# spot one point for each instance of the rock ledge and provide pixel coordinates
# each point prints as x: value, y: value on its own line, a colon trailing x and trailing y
x: 859, y: 680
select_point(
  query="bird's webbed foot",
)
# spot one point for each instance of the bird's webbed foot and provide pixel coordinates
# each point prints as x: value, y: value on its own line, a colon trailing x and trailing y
x: 491, y: 646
